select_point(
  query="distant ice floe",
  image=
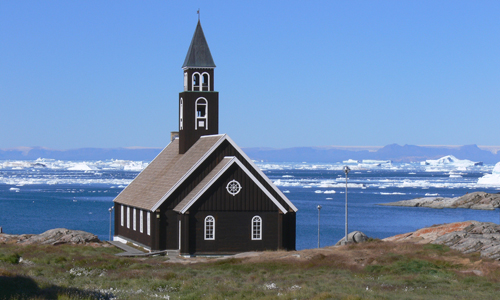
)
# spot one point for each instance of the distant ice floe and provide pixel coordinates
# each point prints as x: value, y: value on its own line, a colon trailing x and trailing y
x: 52, y: 164
x: 395, y: 193
x: 492, y: 179
x: 452, y: 161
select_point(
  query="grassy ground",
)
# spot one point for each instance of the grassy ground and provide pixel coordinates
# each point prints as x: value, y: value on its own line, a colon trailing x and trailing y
x: 374, y: 270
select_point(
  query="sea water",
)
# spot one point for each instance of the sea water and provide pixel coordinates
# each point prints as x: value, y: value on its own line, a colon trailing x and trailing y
x: 36, y: 196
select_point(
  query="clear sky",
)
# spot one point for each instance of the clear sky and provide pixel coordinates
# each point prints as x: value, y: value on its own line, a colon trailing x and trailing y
x: 289, y: 73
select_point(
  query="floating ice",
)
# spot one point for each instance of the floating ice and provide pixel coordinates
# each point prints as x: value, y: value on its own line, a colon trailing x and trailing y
x: 395, y: 193
x: 492, y: 179
x: 451, y: 161
x: 351, y: 161
x: 80, y: 167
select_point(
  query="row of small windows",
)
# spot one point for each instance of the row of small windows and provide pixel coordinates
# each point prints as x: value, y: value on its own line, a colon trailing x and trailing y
x: 209, y: 232
x: 126, y: 218
x: 199, y: 82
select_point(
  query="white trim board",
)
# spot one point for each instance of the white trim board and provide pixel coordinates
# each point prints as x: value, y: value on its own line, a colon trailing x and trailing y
x: 217, y: 176
x: 223, y: 137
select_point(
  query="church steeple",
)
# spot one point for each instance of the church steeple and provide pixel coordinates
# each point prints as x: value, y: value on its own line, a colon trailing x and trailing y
x: 199, y: 103
x: 198, y: 55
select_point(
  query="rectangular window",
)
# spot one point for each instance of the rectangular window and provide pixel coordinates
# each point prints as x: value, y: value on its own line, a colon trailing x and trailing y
x: 121, y: 215
x: 141, y: 222
x: 128, y: 217
x: 149, y: 223
x: 135, y: 220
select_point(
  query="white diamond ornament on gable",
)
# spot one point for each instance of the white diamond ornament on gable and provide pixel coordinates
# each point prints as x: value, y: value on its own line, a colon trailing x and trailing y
x: 233, y: 187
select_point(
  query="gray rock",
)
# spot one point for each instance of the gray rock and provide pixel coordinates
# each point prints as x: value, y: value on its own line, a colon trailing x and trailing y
x: 353, y: 237
x: 478, y: 237
x: 476, y: 200
x: 52, y: 237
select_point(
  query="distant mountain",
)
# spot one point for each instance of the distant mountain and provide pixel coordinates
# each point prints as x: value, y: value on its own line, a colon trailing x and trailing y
x: 394, y: 152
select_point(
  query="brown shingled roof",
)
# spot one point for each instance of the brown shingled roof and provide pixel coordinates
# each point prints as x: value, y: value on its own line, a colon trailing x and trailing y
x: 163, y: 174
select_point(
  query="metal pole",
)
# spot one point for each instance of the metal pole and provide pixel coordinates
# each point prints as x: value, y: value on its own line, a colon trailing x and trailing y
x: 110, y: 210
x: 319, y: 208
x: 346, y: 170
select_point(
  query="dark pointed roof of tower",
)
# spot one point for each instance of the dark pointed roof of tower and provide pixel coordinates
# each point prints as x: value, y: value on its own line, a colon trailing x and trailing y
x: 198, y: 55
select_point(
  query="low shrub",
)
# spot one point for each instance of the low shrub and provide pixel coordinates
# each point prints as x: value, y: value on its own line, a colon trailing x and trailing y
x: 10, y: 258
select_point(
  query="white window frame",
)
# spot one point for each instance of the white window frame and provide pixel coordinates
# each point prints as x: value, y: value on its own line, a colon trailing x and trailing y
x: 134, y: 220
x: 181, y: 115
x: 149, y: 223
x: 201, y: 118
x: 256, y: 228
x: 141, y: 222
x: 209, y: 221
x: 208, y: 80
x: 199, y: 81
x: 185, y: 81
x: 122, y: 222
x: 128, y: 217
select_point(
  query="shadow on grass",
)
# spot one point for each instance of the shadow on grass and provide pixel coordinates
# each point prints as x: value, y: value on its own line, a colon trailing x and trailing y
x: 20, y: 287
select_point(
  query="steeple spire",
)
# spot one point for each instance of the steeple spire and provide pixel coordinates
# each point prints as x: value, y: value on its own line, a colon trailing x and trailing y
x: 198, y: 55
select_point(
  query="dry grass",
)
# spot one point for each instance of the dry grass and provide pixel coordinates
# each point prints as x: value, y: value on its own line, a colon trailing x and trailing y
x: 374, y: 270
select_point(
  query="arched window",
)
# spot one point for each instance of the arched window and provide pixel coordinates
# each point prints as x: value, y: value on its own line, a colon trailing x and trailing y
x: 201, y: 117
x: 256, y: 228
x: 185, y: 81
x: 128, y: 217
x: 181, y: 114
x: 196, y: 82
x: 209, y: 228
x: 121, y: 215
x: 205, y: 83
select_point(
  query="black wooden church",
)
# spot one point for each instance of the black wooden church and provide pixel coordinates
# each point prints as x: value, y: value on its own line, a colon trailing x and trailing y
x: 202, y: 195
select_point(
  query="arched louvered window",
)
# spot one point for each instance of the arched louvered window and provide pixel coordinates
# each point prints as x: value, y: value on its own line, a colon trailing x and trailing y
x: 205, y: 82
x: 196, y: 82
x: 201, y: 117
x: 181, y: 115
x: 209, y: 228
x: 256, y: 228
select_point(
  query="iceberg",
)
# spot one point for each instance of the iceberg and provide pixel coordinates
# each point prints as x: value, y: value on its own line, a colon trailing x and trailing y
x: 451, y: 161
x: 492, y: 179
x: 80, y: 167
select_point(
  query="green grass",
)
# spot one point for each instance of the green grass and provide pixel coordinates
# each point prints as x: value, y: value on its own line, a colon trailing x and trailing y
x: 374, y: 270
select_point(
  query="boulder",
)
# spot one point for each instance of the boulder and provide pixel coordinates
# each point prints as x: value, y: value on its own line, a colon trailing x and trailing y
x: 353, y: 237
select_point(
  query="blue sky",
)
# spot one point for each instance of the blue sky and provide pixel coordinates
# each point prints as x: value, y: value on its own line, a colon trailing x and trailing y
x: 290, y: 73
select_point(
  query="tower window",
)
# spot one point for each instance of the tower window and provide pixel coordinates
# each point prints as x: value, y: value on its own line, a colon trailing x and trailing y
x: 181, y: 114
x: 209, y: 228
x: 196, y: 81
x: 201, y: 118
x: 205, y: 83
x: 185, y: 81
x: 256, y: 228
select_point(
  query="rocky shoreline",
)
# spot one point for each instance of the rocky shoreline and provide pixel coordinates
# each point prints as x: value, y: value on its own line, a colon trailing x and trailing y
x: 51, y: 237
x: 466, y: 237
x: 476, y: 200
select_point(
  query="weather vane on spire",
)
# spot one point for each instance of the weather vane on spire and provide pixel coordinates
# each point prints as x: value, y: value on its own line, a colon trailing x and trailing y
x: 198, y: 12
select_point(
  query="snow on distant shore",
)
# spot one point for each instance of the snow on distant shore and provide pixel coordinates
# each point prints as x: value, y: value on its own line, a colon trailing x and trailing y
x: 492, y: 179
